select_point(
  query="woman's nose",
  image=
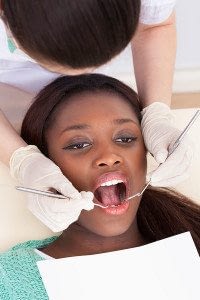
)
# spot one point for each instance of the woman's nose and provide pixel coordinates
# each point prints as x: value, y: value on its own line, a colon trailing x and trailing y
x: 108, y: 159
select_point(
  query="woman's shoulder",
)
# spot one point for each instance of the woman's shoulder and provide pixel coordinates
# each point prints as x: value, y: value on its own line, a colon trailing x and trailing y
x: 27, y: 246
x: 19, y: 274
x: 34, y: 243
x: 22, y: 255
x: 156, y: 11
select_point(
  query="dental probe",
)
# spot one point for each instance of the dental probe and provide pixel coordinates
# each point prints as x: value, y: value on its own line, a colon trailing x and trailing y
x: 59, y: 196
x: 48, y: 194
x: 39, y: 192
x: 181, y: 136
x: 129, y: 198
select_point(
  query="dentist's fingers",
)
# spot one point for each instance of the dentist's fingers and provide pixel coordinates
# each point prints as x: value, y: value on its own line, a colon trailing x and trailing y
x: 174, y: 170
x: 160, y: 136
x: 58, y: 214
x: 32, y: 169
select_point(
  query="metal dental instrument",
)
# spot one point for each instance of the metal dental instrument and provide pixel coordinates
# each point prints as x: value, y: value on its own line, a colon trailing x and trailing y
x: 48, y: 194
x: 129, y: 198
x: 175, y: 145
x: 59, y: 196
x: 39, y: 192
x: 181, y: 136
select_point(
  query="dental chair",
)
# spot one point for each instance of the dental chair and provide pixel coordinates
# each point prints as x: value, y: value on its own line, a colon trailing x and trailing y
x: 17, y: 224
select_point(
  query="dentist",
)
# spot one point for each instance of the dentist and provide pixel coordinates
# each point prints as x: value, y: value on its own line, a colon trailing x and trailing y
x: 40, y: 40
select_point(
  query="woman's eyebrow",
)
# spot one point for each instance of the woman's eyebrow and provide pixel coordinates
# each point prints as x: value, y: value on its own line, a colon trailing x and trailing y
x: 86, y: 126
x: 123, y: 121
x: 76, y: 127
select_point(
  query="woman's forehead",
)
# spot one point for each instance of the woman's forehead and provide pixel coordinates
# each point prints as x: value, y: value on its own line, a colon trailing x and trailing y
x: 100, y: 103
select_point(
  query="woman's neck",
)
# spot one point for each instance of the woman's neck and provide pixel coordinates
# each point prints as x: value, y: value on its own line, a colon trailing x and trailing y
x: 77, y: 240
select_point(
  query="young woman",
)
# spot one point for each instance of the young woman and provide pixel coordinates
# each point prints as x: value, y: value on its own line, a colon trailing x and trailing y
x: 89, y: 125
x: 72, y: 37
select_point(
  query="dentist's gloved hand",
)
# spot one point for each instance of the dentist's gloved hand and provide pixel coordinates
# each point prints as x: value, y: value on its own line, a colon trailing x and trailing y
x: 33, y: 170
x: 159, y: 136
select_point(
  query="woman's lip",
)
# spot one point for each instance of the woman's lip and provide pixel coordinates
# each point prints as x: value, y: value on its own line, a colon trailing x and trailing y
x: 108, y: 177
x: 117, y: 210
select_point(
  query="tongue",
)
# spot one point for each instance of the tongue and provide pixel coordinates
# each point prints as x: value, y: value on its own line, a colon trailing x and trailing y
x: 109, y: 195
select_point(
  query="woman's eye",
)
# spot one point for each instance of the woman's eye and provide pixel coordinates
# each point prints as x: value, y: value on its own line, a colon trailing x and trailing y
x: 125, y: 139
x: 77, y: 146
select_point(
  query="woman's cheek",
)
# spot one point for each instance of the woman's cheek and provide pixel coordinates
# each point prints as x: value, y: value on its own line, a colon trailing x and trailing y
x: 75, y: 173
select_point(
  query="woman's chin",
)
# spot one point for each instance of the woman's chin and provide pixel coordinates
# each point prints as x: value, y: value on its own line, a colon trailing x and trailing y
x: 111, y: 231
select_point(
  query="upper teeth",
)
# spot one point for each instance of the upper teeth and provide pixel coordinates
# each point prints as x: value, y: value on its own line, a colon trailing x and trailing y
x: 111, y: 182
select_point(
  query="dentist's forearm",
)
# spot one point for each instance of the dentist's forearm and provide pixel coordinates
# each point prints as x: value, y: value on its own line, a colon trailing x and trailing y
x: 154, y: 52
x: 9, y: 140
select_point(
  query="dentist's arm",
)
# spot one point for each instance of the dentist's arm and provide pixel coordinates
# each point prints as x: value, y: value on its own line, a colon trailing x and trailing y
x: 154, y: 51
x: 9, y: 140
x: 32, y: 169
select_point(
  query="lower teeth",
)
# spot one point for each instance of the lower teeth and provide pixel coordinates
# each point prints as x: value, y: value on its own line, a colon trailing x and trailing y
x: 117, y: 204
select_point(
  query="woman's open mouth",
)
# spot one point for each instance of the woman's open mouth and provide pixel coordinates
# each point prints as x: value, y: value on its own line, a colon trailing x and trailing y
x: 111, y: 192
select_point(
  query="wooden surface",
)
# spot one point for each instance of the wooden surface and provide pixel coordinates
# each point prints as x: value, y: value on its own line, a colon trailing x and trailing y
x: 189, y: 100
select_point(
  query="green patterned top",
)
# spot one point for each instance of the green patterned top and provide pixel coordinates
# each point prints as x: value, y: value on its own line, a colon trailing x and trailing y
x: 19, y: 275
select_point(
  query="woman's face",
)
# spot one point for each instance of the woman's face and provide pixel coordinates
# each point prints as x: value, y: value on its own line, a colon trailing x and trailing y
x: 97, y: 142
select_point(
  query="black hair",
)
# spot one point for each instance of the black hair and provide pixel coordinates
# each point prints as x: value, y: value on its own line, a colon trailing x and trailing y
x: 74, y: 33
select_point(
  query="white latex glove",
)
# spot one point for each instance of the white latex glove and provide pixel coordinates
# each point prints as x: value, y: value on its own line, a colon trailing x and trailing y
x: 159, y: 136
x: 33, y: 170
